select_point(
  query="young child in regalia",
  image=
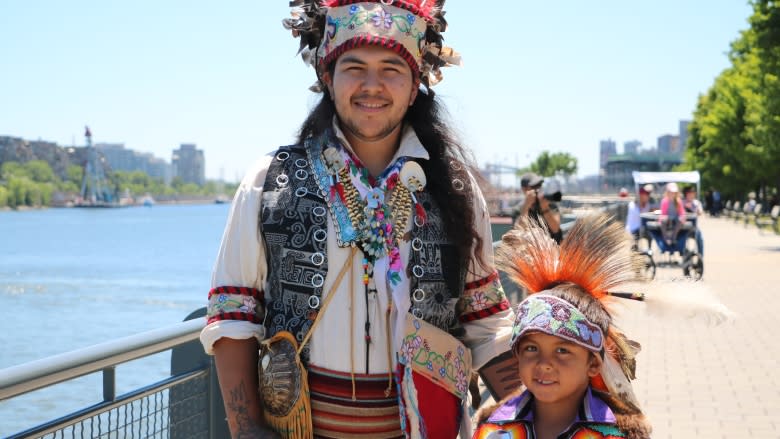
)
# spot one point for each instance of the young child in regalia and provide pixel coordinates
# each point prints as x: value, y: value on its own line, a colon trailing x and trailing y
x: 574, y: 364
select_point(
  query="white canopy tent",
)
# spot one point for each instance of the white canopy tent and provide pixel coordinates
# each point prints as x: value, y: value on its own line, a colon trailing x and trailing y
x: 641, y: 178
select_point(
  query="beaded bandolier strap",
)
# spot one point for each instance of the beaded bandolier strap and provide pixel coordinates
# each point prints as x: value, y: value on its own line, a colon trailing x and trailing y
x: 298, y: 195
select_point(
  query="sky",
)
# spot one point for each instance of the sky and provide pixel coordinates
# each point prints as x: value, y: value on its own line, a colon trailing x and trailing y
x: 539, y: 76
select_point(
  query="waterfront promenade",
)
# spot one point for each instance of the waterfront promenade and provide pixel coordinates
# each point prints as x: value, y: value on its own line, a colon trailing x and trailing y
x: 700, y: 381
x: 696, y: 380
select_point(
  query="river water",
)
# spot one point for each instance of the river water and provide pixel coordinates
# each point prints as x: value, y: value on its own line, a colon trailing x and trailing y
x: 72, y: 278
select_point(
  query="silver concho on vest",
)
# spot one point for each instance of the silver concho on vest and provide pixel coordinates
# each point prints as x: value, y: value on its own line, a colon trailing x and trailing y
x: 436, y: 277
x: 294, y: 222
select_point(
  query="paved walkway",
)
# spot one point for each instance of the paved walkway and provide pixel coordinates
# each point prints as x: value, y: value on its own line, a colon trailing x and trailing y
x: 697, y: 380
x: 700, y: 381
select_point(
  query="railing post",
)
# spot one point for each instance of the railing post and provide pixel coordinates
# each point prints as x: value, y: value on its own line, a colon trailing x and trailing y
x: 214, y: 391
x: 109, y: 383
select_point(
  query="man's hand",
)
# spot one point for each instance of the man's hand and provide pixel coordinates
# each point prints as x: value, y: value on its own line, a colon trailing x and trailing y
x: 544, y: 205
x: 529, y: 201
x: 500, y: 375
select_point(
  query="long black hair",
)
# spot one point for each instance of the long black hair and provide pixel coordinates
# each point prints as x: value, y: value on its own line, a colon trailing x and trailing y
x: 450, y: 179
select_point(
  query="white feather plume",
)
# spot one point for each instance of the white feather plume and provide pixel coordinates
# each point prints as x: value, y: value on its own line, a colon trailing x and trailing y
x: 684, y: 299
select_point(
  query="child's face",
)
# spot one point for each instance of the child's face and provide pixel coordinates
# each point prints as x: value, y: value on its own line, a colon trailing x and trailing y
x: 554, y: 369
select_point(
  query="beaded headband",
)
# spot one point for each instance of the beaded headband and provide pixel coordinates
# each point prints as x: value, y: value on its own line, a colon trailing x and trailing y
x: 410, y: 28
x: 554, y: 316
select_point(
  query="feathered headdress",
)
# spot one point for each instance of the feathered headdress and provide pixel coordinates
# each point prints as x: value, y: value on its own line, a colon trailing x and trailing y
x: 411, y: 28
x: 594, y: 259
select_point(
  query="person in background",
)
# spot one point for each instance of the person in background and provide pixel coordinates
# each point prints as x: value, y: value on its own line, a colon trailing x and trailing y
x: 536, y: 206
x: 672, y: 218
x: 693, y: 206
x: 717, y: 205
x: 635, y: 209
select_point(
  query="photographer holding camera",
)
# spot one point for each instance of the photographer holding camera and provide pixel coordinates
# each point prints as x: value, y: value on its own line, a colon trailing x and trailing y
x: 538, y: 206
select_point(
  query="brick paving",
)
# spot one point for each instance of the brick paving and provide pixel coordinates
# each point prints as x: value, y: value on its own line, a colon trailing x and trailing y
x: 698, y: 380
x: 702, y: 381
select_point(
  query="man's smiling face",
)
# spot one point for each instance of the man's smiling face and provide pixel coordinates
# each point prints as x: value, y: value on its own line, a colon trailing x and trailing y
x: 372, y: 88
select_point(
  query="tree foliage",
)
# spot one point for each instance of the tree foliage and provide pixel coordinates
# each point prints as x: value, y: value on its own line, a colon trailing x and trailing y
x: 551, y: 164
x: 34, y: 183
x: 734, y: 138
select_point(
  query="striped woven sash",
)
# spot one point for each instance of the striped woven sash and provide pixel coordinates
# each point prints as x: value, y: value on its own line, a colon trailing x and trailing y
x: 336, y: 415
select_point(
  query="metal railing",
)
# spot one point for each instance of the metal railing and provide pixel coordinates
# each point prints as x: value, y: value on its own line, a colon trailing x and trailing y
x: 187, y: 404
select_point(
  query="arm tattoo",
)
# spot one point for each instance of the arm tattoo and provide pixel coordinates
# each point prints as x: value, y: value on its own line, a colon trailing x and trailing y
x: 245, y: 427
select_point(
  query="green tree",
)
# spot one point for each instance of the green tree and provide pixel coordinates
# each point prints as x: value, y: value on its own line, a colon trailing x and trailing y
x: 3, y: 196
x: 40, y: 171
x: 718, y: 142
x: 764, y: 109
x: 75, y: 174
x: 550, y: 164
x: 18, y: 188
x: 736, y: 125
x: 11, y: 169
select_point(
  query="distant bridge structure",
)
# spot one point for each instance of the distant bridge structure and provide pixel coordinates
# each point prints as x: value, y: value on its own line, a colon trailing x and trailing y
x: 494, y: 172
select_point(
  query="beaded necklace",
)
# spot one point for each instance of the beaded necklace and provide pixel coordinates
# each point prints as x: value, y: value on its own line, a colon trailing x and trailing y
x: 379, y: 210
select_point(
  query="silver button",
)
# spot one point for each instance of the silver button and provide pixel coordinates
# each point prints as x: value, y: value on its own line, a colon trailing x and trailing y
x: 282, y: 180
x: 418, y: 295
x: 419, y: 222
x: 301, y: 163
x: 458, y: 185
x: 282, y: 156
x: 314, y: 302
x: 301, y: 192
x: 320, y: 235
x: 417, y: 244
x: 418, y: 271
x: 318, y: 259
x: 317, y: 280
x: 301, y: 174
x: 319, y: 211
x: 417, y: 313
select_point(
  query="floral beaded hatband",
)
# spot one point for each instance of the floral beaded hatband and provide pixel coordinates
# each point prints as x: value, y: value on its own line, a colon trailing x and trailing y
x: 554, y: 316
x: 410, y: 28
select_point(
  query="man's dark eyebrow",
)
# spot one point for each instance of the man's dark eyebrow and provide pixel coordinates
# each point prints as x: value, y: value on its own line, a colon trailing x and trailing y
x: 356, y: 60
x: 351, y: 59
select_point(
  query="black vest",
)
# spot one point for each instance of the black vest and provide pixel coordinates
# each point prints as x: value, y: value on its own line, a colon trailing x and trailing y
x: 293, y: 219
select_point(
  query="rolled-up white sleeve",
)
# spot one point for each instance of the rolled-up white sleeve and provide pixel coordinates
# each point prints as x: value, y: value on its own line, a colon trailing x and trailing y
x: 236, y: 302
x: 485, y: 311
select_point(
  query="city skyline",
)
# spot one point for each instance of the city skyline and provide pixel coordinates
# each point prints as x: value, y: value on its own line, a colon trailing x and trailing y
x: 557, y: 77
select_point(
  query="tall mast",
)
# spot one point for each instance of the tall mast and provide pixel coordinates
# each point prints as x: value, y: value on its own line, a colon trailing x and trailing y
x: 94, y: 190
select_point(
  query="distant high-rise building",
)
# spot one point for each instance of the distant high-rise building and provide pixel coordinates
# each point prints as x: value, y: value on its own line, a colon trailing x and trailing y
x: 606, y: 148
x: 631, y: 147
x: 668, y: 144
x: 189, y: 164
x: 121, y: 159
x: 684, y: 135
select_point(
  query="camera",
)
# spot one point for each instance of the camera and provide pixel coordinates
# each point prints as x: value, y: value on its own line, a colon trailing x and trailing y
x: 555, y: 196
